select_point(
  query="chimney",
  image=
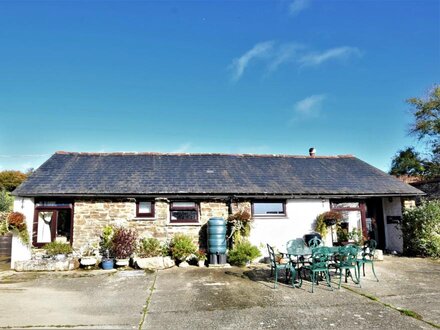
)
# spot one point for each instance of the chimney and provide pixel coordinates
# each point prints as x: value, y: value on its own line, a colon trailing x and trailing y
x: 312, y: 152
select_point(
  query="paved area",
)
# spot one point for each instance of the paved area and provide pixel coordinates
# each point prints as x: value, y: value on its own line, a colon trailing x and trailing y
x: 80, y: 299
x: 234, y: 298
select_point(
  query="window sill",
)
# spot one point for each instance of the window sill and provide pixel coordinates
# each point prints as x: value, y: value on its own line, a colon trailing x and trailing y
x: 177, y: 224
x: 143, y: 219
x: 270, y: 217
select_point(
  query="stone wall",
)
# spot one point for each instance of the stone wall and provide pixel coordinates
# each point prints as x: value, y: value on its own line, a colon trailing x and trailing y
x: 91, y: 216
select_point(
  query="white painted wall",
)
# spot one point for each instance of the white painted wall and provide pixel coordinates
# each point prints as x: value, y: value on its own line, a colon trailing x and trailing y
x: 393, y: 232
x: 19, y: 251
x: 299, y: 220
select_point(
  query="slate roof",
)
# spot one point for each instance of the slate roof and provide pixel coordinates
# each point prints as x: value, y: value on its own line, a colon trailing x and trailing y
x: 96, y: 174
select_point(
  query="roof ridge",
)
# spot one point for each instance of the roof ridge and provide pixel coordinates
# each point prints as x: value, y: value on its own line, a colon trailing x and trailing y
x: 133, y: 153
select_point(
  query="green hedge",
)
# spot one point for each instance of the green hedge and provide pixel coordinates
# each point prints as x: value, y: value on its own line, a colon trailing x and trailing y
x: 421, y: 230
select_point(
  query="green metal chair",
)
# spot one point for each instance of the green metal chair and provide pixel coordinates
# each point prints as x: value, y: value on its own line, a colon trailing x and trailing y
x: 315, y: 242
x: 276, y: 267
x: 347, y: 260
x: 368, y: 257
x: 296, y: 244
x: 319, y: 265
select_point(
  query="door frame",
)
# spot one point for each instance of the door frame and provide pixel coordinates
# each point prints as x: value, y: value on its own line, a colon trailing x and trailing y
x: 55, y: 210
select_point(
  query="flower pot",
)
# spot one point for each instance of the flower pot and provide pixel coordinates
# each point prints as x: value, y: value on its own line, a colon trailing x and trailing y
x: 330, y: 222
x: 122, y: 262
x: 201, y: 263
x: 60, y: 257
x: 88, y: 261
x: 107, y: 264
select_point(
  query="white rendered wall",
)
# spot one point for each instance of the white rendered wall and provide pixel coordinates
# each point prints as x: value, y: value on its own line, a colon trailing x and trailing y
x: 393, y: 232
x: 299, y: 220
x: 19, y: 251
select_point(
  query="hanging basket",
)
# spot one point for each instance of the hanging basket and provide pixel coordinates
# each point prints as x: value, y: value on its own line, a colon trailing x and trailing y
x: 330, y: 222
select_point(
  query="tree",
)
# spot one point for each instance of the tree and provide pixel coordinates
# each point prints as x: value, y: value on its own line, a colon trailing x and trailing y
x: 427, y: 126
x: 9, y: 180
x: 407, y: 162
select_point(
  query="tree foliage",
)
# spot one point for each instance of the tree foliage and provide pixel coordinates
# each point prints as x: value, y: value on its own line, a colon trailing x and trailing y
x: 421, y: 230
x: 9, y: 180
x: 6, y: 201
x: 407, y: 162
x: 426, y: 127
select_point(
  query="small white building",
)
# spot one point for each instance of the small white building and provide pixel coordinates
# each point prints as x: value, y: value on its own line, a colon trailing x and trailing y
x: 72, y: 196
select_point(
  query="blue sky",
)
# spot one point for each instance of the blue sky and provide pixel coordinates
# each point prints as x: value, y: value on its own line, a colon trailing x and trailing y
x: 266, y: 77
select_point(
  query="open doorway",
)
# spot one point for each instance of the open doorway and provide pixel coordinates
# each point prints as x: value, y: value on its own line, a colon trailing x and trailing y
x: 52, y: 224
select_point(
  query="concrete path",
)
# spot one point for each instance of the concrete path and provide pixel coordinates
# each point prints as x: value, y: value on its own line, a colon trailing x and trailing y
x: 79, y: 299
x: 234, y: 298
x: 244, y: 299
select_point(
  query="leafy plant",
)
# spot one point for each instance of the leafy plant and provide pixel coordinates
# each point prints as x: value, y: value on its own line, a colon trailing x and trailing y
x: 201, y: 255
x: 16, y: 224
x: 421, y: 230
x: 239, y: 224
x: 356, y: 236
x: 106, y: 240
x: 182, y: 247
x: 123, y: 242
x: 320, y: 225
x: 54, y: 248
x: 321, y: 221
x: 151, y: 247
x: 6, y: 201
x: 242, y: 253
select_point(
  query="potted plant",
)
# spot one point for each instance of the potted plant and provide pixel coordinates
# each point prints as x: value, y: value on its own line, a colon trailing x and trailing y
x: 105, y: 244
x: 201, y: 257
x: 123, y: 245
x: 182, y: 248
x: 57, y: 250
x: 239, y: 225
x: 331, y: 217
x: 152, y: 254
x: 88, y: 255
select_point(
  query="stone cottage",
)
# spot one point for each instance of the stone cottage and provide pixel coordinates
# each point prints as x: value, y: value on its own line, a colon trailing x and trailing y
x: 72, y: 196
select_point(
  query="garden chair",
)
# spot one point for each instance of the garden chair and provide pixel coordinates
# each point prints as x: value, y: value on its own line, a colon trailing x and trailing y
x: 276, y: 267
x: 319, y: 265
x: 315, y: 242
x: 296, y: 244
x: 347, y: 260
x: 368, y: 257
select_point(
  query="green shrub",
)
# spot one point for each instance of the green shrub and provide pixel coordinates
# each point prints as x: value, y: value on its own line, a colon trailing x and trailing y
x: 55, y: 248
x: 242, y: 253
x: 182, y: 247
x: 6, y: 201
x: 151, y: 247
x: 421, y: 230
x: 123, y: 243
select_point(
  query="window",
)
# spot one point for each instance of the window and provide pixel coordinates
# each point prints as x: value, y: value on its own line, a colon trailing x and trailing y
x: 145, y: 209
x: 272, y: 208
x: 184, y: 212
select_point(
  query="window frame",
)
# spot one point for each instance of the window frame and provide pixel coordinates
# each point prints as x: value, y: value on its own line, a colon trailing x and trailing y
x: 277, y: 215
x: 55, y: 207
x: 145, y: 215
x: 184, y: 208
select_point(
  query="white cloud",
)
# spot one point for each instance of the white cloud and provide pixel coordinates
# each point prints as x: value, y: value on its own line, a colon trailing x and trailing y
x: 183, y: 148
x: 338, y: 53
x: 260, y: 50
x: 309, y: 107
x: 285, y: 53
x: 298, y: 6
x: 273, y: 55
